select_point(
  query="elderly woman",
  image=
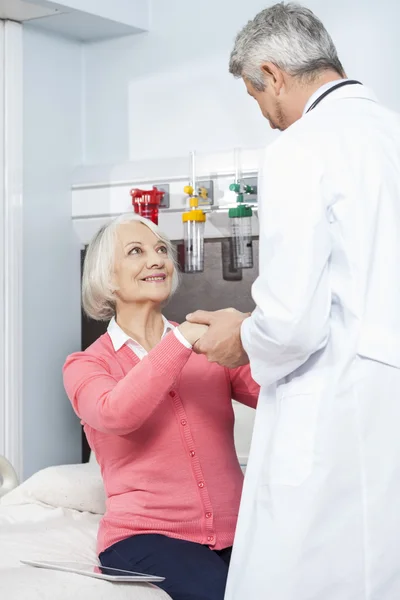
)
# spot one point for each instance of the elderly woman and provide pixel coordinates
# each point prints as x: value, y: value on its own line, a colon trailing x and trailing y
x: 158, y: 417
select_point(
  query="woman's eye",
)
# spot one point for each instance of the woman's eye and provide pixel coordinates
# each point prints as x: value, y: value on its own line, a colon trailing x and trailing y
x: 163, y: 250
x: 135, y: 250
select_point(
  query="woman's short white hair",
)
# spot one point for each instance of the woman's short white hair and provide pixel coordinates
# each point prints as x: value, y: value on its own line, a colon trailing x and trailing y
x: 98, y: 298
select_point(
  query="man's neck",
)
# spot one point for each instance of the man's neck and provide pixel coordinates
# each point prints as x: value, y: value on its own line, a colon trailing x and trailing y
x: 323, y: 79
x: 306, y: 91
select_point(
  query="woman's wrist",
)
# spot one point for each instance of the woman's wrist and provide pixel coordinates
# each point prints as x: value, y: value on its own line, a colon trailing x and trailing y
x: 178, y: 334
x: 185, y: 330
x: 192, y: 332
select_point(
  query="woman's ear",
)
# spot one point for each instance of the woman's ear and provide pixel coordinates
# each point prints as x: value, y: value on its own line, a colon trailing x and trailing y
x: 113, y: 283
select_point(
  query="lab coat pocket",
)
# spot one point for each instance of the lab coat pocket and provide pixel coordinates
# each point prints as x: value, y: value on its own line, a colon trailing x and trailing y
x: 379, y: 344
x: 291, y: 456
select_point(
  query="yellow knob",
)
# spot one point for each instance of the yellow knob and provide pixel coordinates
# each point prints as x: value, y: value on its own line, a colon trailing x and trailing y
x: 193, y: 202
x: 203, y: 193
x: 188, y: 190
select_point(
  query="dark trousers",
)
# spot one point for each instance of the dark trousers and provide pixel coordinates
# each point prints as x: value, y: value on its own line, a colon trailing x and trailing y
x: 191, y: 571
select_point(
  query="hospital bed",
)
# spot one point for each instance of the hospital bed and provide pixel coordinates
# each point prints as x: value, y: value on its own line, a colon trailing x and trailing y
x: 54, y: 515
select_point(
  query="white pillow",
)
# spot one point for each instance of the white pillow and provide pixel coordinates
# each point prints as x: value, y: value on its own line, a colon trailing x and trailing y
x: 93, y: 459
x: 78, y: 487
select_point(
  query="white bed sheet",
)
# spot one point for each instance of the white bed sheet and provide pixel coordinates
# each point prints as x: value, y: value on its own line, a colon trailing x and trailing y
x: 33, y: 531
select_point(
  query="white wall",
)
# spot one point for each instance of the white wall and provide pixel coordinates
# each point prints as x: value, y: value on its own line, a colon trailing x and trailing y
x: 168, y: 91
x: 51, y: 297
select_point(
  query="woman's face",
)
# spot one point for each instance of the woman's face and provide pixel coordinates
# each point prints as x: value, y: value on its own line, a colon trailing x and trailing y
x: 142, y: 270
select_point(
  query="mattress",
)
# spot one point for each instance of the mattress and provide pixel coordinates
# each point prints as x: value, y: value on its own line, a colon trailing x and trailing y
x: 31, y: 529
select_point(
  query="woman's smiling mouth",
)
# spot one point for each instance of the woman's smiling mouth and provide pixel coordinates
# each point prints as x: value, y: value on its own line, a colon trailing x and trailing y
x: 159, y: 278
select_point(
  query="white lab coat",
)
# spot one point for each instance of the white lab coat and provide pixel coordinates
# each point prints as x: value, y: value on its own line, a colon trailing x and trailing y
x: 320, y: 512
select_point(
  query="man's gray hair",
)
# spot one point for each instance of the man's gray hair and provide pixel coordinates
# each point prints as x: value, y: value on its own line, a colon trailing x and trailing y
x: 98, y: 299
x: 288, y: 35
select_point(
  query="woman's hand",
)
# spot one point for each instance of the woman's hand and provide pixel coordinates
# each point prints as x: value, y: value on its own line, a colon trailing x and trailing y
x: 192, y: 332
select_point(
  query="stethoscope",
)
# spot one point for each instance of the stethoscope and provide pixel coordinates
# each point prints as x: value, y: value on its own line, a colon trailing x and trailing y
x: 332, y: 89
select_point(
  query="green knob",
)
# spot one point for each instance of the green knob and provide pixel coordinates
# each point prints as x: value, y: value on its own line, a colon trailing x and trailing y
x: 234, y: 187
x: 248, y: 189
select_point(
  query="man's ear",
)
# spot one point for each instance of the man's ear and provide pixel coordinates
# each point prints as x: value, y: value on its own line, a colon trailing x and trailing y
x: 273, y: 76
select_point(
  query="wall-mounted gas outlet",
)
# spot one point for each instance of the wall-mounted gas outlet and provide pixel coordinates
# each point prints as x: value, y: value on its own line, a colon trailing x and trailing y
x: 253, y: 183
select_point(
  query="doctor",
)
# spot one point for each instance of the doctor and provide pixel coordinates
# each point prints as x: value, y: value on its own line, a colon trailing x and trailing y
x: 320, y: 512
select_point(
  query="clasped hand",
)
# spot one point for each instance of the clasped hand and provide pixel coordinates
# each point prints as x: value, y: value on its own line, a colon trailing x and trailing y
x: 217, y: 336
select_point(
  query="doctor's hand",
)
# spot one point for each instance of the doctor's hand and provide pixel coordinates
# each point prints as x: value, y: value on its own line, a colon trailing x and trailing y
x: 221, y: 343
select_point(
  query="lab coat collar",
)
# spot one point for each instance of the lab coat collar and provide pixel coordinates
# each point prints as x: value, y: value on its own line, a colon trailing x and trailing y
x: 347, y: 91
x: 119, y: 338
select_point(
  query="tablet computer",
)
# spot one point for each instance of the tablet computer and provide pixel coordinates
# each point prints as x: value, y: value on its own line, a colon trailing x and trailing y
x: 96, y: 571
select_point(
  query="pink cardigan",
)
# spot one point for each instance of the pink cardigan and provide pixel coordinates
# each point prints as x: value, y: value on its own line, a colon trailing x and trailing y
x: 162, y: 431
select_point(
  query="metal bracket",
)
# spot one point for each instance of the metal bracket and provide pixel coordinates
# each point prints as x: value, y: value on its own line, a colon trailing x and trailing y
x: 164, y: 187
x: 253, y: 182
x: 207, y: 184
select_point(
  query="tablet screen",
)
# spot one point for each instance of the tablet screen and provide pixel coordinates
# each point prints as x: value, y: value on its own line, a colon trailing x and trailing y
x: 93, y: 570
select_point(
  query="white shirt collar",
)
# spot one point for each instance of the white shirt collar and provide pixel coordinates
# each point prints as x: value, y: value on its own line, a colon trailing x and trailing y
x: 119, y: 338
x: 320, y: 91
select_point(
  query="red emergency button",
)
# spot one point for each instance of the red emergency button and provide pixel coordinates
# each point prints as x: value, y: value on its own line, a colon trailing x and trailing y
x: 208, y: 515
x: 201, y: 484
x: 183, y: 422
